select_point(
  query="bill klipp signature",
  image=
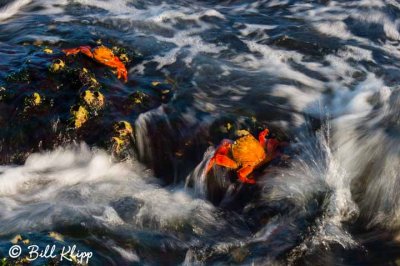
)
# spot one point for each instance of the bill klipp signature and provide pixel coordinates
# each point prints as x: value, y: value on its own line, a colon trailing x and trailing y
x: 63, y: 253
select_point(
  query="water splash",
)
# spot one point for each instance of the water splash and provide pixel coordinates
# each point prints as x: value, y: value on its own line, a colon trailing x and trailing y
x: 144, y: 132
x: 199, y: 175
x: 85, y: 185
x: 369, y: 153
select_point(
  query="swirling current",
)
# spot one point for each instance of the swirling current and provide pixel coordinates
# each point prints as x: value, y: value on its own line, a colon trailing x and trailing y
x: 323, y: 76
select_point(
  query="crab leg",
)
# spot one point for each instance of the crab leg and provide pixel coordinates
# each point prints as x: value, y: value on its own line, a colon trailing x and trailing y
x: 121, y: 69
x: 220, y: 154
x: 117, y: 64
x: 221, y: 160
x: 86, y: 50
x: 225, y: 161
x: 244, y: 172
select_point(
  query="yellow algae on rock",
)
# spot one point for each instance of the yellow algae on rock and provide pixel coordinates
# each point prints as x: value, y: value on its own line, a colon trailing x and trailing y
x: 94, y: 81
x: 56, y: 236
x: 57, y: 65
x: 138, y: 97
x: 95, y: 100
x: 123, y: 128
x: 36, y: 99
x: 16, y: 239
x: 124, y: 58
x: 38, y: 42
x: 80, y: 115
x: 124, y: 135
x: 100, y: 99
x: 88, y: 97
x: 242, y: 132
x: 118, y: 143
x: 48, y: 51
x: 88, y: 79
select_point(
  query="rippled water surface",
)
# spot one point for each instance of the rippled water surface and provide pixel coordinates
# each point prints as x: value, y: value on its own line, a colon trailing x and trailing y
x: 323, y: 76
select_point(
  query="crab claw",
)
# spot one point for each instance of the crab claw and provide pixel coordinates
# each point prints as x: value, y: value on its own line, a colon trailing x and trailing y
x: 271, y: 147
x: 210, y: 164
x: 262, y: 136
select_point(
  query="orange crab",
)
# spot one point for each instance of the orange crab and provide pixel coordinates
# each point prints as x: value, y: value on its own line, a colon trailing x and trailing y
x: 247, y: 154
x: 102, y: 55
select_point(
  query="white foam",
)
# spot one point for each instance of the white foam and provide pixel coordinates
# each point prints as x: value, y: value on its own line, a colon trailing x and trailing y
x: 329, y: 19
x: 369, y: 153
x: 275, y: 62
x: 116, y: 7
x: 335, y: 29
x: 356, y: 53
x: 13, y: 8
x: 256, y: 28
x: 187, y: 15
x: 376, y: 16
x: 300, y: 100
x: 129, y: 255
x: 80, y: 185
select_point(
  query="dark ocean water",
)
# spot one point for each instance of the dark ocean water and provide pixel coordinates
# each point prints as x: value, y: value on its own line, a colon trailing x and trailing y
x: 323, y: 76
